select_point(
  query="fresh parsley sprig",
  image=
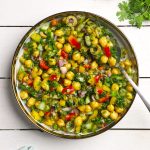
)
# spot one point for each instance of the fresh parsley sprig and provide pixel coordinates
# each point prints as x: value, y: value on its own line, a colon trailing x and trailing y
x: 136, y: 11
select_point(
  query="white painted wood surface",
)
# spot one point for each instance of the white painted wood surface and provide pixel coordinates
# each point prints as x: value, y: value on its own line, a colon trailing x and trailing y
x: 110, y: 140
x: 16, y: 18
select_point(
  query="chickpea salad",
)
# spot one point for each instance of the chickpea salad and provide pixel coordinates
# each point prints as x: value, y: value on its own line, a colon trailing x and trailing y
x: 69, y: 79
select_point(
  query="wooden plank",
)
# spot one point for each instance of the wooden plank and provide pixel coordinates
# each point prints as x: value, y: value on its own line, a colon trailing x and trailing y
x: 126, y: 140
x: 28, y: 12
x: 12, y: 117
x: 10, y: 37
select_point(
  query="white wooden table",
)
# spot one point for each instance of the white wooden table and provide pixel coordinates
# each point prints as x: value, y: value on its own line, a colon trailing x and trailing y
x: 16, y: 18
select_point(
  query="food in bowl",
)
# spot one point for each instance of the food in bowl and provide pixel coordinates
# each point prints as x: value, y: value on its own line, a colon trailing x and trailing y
x: 68, y: 76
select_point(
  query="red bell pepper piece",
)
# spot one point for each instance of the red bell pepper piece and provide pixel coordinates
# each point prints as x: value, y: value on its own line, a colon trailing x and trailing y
x: 47, y: 114
x: 30, y: 82
x: 43, y: 65
x: 64, y: 54
x: 104, y: 99
x: 70, y: 116
x: 53, y: 77
x: 87, y: 66
x: 107, y: 51
x: 68, y: 90
x: 100, y: 91
x: 97, y: 78
x: 73, y: 41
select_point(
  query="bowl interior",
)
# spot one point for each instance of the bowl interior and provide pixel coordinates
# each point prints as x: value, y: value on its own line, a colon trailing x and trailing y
x: 119, y: 36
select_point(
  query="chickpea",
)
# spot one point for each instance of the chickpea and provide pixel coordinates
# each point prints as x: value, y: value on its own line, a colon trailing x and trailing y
x: 110, y: 107
x: 113, y: 100
x: 113, y: 115
x: 95, y: 42
x: 58, y: 45
x: 62, y: 102
x: 104, y: 59
x: 103, y: 41
x: 50, y: 71
x: 84, y: 117
x: 106, y: 88
x: 81, y: 108
x: 35, y: 115
x: 61, y: 123
x: 81, y: 69
x: 129, y: 95
x: 61, y: 40
x: 41, y: 113
x: 99, y: 84
x: 70, y: 75
x: 52, y: 61
x: 34, y: 45
x: 115, y: 87
x: 91, y: 72
x: 28, y: 63
x: 45, y: 75
x: 39, y: 72
x: 67, y: 48
x: 127, y: 62
x: 112, y: 61
x: 59, y: 33
x: 37, y: 103
x: 122, y: 64
x: 94, y: 104
x: 91, y: 81
x: 94, y: 115
x: 36, y: 37
x: 88, y: 108
x: 45, y: 85
x: 31, y: 102
x: 129, y: 70
x: 59, y: 88
x: 25, y: 78
x: 129, y: 88
x: 81, y: 59
x: 115, y: 71
x: 78, y: 121
x: 35, y: 69
x: 22, y: 60
x: 43, y: 35
x: 76, y: 85
x: 94, y: 65
x: 36, y: 83
x: 68, y: 66
x: 105, y: 113
x: 119, y: 110
x: 23, y: 95
x: 67, y: 82
x: 76, y: 56
x: 110, y: 44
x: 49, y: 122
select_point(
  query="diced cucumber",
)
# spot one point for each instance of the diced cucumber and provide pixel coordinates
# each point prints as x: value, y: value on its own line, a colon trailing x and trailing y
x: 87, y: 100
x: 89, y: 125
x: 87, y: 40
x: 41, y: 106
x: 45, y: 26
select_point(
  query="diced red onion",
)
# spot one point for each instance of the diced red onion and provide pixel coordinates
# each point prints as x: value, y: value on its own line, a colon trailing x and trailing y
x: 61, y: 62
x: 63, y: 70
x: 93, y: 98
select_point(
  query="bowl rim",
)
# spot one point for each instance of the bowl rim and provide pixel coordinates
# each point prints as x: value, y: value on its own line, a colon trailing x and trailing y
x: 52, y: 132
